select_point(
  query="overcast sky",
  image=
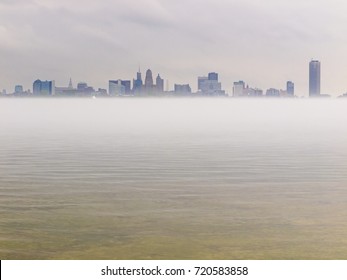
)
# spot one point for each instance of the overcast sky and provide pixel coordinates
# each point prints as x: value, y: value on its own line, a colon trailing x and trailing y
x: 263, y: 42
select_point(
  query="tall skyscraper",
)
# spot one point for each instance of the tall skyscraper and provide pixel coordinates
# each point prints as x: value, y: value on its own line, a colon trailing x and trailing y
x: 210, y: 85
x: 116, y: 88
x: 239, y: 89
x: 201, y: 81
x: 137, y: 84
x: 159, y: 84
x: 290, y: 88
x: 183, y: 89
x: 213, y: 76
x: 149, y: 81
x: 43, y: 87
x: 314, y: 78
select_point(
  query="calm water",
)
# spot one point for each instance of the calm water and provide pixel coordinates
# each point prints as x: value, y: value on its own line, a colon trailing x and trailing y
x: 173, y: 179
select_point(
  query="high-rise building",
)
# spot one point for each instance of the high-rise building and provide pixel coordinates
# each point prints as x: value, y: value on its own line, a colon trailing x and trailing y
x: 149, y: 81
x: 137, y: 84
x: 159, y: 84
x: 273, y: 92
x: 290, y: 88
x: 84, y: 90
x: 182, y: 89
x: 210, y: 85
x: 116, y: 88
x: 81, y: 86
x: 201, y: 81
x: 127, y: 85
x: 213, y: 76
x: 314, y: 78
x: 18, y: 89
x: 239, y: 89
x: 43, y: 88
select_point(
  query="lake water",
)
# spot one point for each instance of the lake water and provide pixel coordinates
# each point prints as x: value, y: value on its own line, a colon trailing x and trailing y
x: 173, y: 179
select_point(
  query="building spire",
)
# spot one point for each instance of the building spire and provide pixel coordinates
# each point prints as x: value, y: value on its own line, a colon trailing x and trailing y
x: 70, y: 84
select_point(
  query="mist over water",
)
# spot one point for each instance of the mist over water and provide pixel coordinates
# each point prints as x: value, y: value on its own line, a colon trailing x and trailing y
x: 173, y: 179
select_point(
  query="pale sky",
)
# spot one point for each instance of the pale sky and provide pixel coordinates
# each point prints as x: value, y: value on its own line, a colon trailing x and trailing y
x: 263, y: 42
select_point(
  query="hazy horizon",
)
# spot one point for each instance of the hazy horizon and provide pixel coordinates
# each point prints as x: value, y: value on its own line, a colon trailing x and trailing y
x: 264, y: 43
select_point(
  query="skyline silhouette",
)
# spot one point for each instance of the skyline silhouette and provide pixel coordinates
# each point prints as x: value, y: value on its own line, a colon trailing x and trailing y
x: 262, y: 42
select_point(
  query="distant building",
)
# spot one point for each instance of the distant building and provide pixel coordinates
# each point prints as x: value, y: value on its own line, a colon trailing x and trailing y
x: 253, y: 92
x: 272, y: 92
x: 201, y: 81
x: 314, y: 78
x: 84, y: 90
x: 137, y: 83
x: 70, y: 86
x: 43, y: 88
x: 183, y: 89
x: 159, y: 84
x: 213, y: 76
x: 239, y: 89
x: 149, y: 82
x: 290, y: 88
x: 81, y: 86
x: 210, y: 86
x: 101, y: 92
x: 113, y: 90
x: 116, y: 88
x: 66, y: 91
x: 127, y: 85
x: 18, y: 89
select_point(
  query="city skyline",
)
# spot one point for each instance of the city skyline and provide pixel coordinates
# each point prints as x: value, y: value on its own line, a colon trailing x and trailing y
x: 262, y: 42
x: 208, y: 85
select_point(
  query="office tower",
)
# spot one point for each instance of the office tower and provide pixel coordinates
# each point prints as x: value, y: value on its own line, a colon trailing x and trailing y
x: 149, y: 82
x: 201, y: 81
x: 159, y: 84
x: 84, y: 90
x: 290, y: 88
x: 213, y: 76
x: 149, y: 79
x: 43, y: 88
x: 314, y: 78
x: 116, y: 88
x: 81, y: 86
x: 137, y: 84
x: 273, y: 92
x: 239, y: 89
x: 182, y: 89
x: 210, y: 86
x: 18, y: 89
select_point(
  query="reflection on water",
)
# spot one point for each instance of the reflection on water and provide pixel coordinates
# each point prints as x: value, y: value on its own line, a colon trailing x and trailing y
x: 173, y: 179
